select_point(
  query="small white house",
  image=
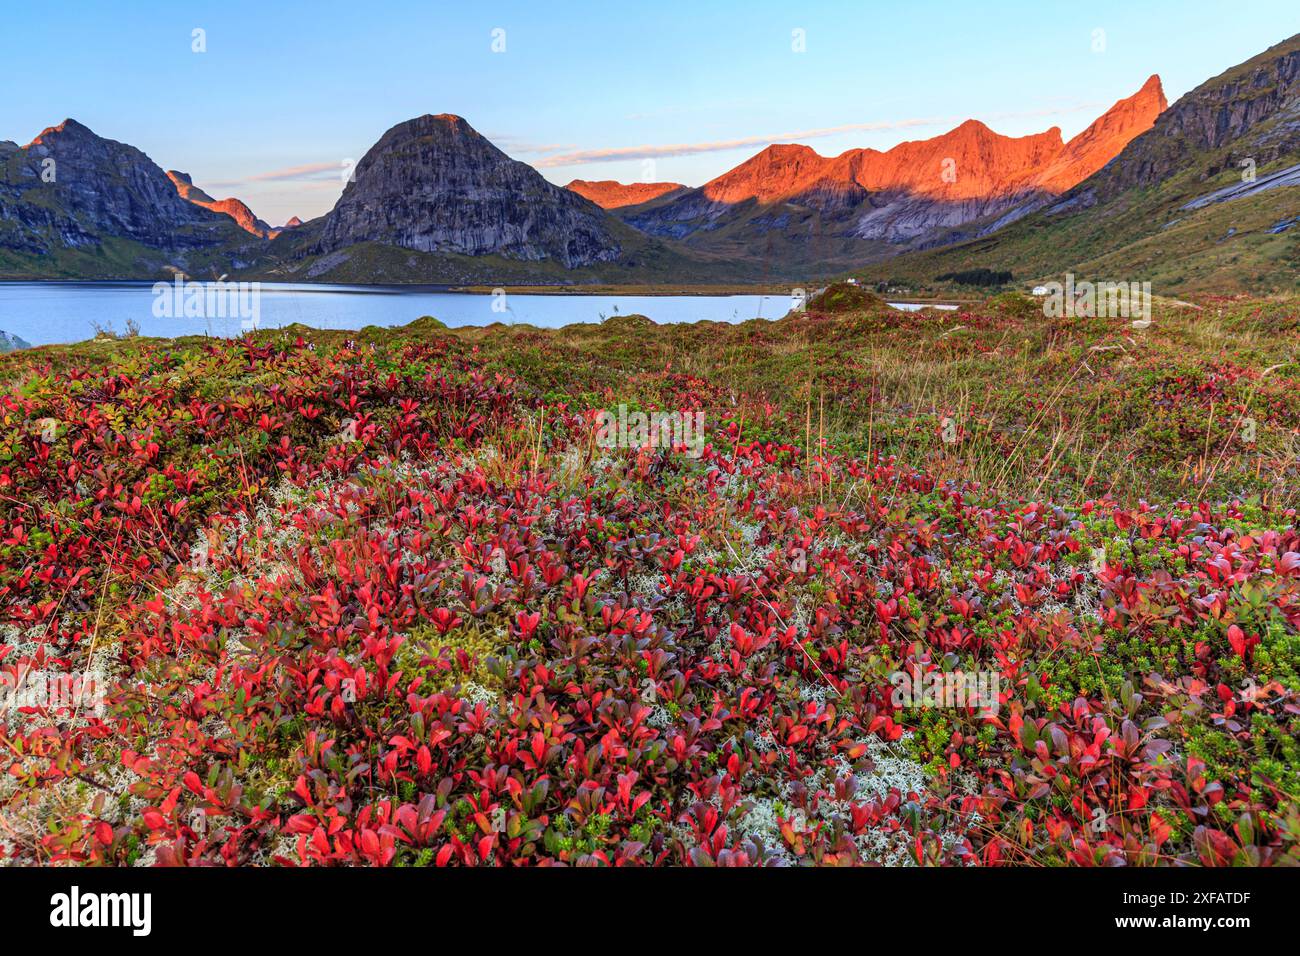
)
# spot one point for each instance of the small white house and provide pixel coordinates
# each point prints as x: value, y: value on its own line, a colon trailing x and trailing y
x: 1040, y: 290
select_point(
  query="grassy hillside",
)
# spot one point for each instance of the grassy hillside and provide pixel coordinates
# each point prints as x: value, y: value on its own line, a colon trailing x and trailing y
x: 391, y: 597
x: 1224, y: 248
x: 117, y: 258
x: 645, y: 260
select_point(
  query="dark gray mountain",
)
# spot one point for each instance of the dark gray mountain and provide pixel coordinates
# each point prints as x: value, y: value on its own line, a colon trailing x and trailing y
x: 433, y: 184
x: 71, y: 189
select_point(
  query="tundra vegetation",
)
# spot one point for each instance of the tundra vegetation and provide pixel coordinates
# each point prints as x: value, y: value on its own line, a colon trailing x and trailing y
x: 382, y: 598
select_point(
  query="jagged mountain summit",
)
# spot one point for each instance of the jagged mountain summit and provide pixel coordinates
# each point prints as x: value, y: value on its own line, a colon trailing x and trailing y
x: 916, y: 193
x: 236, y: 209
x: 1204, y: 200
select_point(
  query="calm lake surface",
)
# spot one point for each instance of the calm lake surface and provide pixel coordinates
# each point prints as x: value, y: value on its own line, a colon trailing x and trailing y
x: 45, y: 313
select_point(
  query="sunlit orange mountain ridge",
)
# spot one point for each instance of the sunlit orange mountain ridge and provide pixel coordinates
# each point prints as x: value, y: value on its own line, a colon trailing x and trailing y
x: 234, y: 208
x: 906, y: 194
x: 608, y: 194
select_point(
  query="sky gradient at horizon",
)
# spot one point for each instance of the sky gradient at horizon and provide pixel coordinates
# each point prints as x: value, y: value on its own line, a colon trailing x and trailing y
x: 285, y: 94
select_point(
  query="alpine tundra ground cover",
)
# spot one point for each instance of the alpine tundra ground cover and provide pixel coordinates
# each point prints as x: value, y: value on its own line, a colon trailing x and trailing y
x: 384, y: 598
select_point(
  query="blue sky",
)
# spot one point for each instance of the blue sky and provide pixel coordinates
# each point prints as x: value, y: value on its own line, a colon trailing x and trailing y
x: 286, y: 92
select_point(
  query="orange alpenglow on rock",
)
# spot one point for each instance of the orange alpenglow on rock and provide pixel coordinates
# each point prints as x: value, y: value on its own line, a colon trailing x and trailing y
x: 965, y: 163
x: 917, y: 189
x: 978, y: 161
x: 1106, y: 138
x: 608, y: 194
x: 233, y: 208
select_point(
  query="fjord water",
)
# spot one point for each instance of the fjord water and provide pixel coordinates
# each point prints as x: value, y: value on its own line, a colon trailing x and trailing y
x: 49, y: 313
x: 46, y: 313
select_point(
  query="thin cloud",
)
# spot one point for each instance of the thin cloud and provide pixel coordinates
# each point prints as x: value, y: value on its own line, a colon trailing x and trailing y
x: 308, y: 172
x: 514, y: 144
x: 625, y: 153
x: 584, y: 156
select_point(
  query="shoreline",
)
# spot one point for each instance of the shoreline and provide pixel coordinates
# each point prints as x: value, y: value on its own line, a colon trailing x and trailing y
x: 379, y: 288
x: 655, y: 289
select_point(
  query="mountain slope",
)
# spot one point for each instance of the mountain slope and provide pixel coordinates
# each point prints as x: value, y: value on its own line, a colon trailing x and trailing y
x: 1177, y: 206
x: 234, y: 208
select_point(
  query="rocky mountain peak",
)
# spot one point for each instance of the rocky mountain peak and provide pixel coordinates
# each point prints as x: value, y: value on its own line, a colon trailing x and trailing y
x: 69, y: 187
x: 69, y: 128
x: 434, y: 184
x: 782, y: 169
x: 1251, y: 111
x: 1105, y: 138
x: 234, y: 208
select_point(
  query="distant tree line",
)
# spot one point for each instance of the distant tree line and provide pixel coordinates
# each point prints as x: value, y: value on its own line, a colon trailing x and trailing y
x: 986, y: 277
